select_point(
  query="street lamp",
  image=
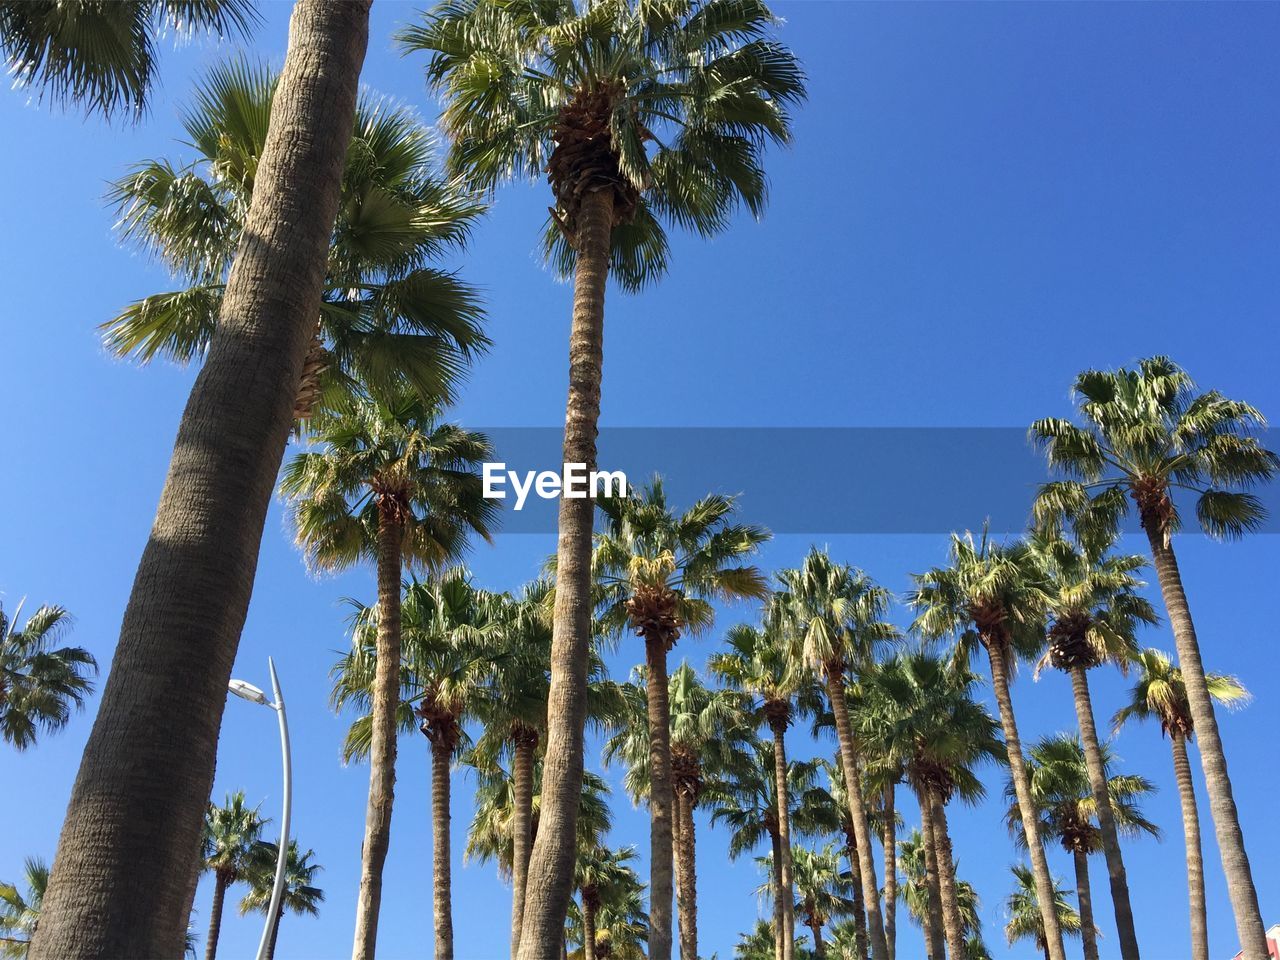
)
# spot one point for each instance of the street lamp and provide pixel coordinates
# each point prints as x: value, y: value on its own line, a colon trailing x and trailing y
x: 248, y: 691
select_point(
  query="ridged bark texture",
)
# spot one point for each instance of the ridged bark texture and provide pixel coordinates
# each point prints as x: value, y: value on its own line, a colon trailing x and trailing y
x: 1213, y: 760
x: 215, y: 916
x: 936, y: 927
x: 441, y: 858
x: 1195, y: 854
x: 550, y: 880
x: 858, y: 812
x: 521, y: 826
x: 889, y: 837
x: 859, y: 902
x: 588, y: 932
x: 953, y: 923
x: 660, y: 801
x: 382, y: 740
x: 1026, y: 806
x: 778, y: 921
x: 686, y: 854
x: 1126, y: 933
x: 788, y: 931
x: 121, y: 880
x: 1084, y: 895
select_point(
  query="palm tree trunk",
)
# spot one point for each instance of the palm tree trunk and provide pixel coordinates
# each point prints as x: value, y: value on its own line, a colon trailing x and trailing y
x: 787, y: 896
x: 1084, y: 894
x: 937, y: 922
x: 660, y: 800
x: 588, y: 931
x: 687, y: 877
x: 779, y: 923
x: 382, y: 741
x: 859, y: 903
x: 521, y: 825
x: 858, y: 812
x: 120, y: 884
x: 441, y: 858
x: 819, y: 946
x: 215, y: 916
x: 275, y: 934
x: 953, y: 924
x: 551, y: 866
x: 1222, y: 804
x: 889, y: 836
x: 1195, y: 856
x: 1128, y: 936
x: 1026, y: 806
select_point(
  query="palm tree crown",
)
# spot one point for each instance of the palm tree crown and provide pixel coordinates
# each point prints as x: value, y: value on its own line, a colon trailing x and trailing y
x: 232, y: 837
x: 19, y: 912
x: 40, y: 684
x: 665, y: 105
x: 301, y: 895
x: 1023, y: 906
x: 1161, y: 694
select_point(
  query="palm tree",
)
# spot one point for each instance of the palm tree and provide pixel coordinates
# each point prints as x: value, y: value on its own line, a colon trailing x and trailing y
x: 40, y: 684
x: 232, y: 838
x: 301, y: 895
x: 102, y: 56
x: 449, y: 630
x: 620, y: 920
x: 835, y: 617
x: 920, y: 711
x: 1160, y: 693
x: 657, y: 573
x: 919, y: 891
x: 598, y: 873
x: 710, y: 737
x: 759, y: 663
x: 751, y: 808
x: 638, y: 114
x: 1060, y: 783
x: 758, y: 944
x: 994, y: 595
x: 387, y: 482
x: 388, y: 321
x: 823, y: 891
x: 162, y: 705
x: 1026, y: 918
x: 1147, y: 434
x: 19, y: 913
x: 1094, y: 611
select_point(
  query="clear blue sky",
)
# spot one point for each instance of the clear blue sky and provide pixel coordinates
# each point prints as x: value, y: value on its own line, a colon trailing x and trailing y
x: 982, y: 200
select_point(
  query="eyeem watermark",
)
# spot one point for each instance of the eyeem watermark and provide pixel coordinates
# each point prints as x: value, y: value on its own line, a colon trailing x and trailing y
x: 574, y: 483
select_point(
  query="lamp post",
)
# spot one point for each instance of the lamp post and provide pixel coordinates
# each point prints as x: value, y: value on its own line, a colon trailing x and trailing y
x: 251, y: 693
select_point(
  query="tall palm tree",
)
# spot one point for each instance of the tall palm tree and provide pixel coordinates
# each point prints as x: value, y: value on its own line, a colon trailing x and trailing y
x: 639, y: 114
x: 20, y: 912
x: 1148, y: 433
x: 449, y: 631
x: 710, y: 737
x: 116, y: 890
x: 829, y: 809
x: 40, y: 684
x: 598, y: 874
x: 620, y: 920
x: 386, y: 482
x: 835, y: 617
x: 389, y: 321
x: 1026, y: 918
x: 823, y: 891
x: 919, y: 891
x: 993, y: 595
x: 1063, y: 791
x: 1094, y: 611
x: 759, y: 662
x: 231, y: 841
x: 102, y: 56
x: 919, y: 710
x: 916, y: 897
x: 1161, y: 693
x: 301, y: 895
x: 658, y: 573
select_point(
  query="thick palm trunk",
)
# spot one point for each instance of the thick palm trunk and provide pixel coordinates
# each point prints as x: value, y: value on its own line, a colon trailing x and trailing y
x: 778, y: 917
x: 953, y: 923
x: 382, y: 740
x: 551, y: 867
x: 588, y: 932
x: 858, y: 813
x: 441, y: 858
x: 819, y: 945
x: 687, y: 877
x: 660, y: 801
x: 937, y: 926
x: 1084, y: 894
x: 889, y: 838
x: 1195, y: 855
x: 1026, y: 806
x: 521, y: 826
x: 1116, y: 874
x: 787, y: 897
x: 121, y: 880
x: 1222, y: 804
x: 859, y: 903
x: 215, y: 917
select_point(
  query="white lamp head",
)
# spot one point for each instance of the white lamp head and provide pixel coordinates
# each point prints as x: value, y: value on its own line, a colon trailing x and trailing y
x: 242, y: 688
